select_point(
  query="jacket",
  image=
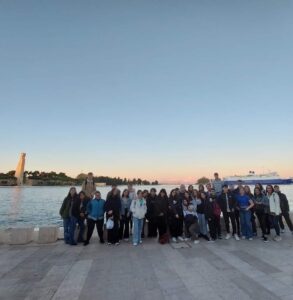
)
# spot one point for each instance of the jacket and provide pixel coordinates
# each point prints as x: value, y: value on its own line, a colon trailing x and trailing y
x: 284, y: 204
x: 223, y: 202
x: 138, y: 208
x: 70, y: 207
x: 113, y: 203
x: 88, y: 187
x: 262, y: 204
x: 125, y: 206
x: 95, y: 209
x: 274, y: 201
x: 175, y: 207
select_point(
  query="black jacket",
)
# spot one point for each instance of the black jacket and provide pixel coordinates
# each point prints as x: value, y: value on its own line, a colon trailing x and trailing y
x: 284, y: 204
x: 113, y: 203
x: 74, y: 206
x: 175, y: 207
x: 223, y: 203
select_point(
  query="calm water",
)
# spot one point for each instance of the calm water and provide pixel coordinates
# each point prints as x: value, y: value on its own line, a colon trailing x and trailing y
x: 40, y: 205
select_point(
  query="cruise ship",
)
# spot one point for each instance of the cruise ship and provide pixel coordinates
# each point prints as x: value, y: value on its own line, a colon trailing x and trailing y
x: 252, y: 178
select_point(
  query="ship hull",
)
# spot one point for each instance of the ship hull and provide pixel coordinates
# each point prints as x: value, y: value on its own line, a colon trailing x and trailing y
x: 262, y: 181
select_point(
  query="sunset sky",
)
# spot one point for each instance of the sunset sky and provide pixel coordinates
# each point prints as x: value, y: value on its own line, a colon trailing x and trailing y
x: 168, y: 90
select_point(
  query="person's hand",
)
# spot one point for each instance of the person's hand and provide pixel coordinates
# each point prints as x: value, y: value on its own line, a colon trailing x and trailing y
x: 177, y: 216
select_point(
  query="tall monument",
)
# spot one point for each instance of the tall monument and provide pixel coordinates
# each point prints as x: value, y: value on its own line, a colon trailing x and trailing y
x: 20, y: 169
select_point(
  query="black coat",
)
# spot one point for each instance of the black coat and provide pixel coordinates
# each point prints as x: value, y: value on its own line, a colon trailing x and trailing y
x: 284, y: 204
x: 223, y: 203
x: 175, y: 207
x: 113, y: 203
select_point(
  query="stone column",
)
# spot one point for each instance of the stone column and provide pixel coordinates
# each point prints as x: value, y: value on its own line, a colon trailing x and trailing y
x: 20, y: 169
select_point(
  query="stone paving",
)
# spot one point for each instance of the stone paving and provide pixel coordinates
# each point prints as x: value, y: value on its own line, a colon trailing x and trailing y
x: 223, y: 270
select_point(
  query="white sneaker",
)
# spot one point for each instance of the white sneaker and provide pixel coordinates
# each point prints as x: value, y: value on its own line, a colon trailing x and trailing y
x: 126, y: 240
x: 277, y: 238
x: 186, y: 239
x: 196, y: 242
x: 250, y: 239
x: 283, y: 231
x: 228, y: 236
x: 236, y: 237
x: 243, y: 237
x: 180, y: 238
x: 134, y: 244
x: 174, y: 240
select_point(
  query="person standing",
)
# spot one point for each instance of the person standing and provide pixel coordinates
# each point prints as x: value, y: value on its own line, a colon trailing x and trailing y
x: 89, y: 186
x: 83, y: 201
x: 261, y: 210
x: 275, y: 210
x: 200, y: 199
x: 138, y: 208
x: 64, y: 213
x: 150, y: 215
x: 161, y: 214
x: 227, y: 204
x: 175, y: 217
x: 113, y: 208
x: 250, y: 195
x: 245, y: 204
x: 217, y: 184
x: 125, y: 216
x: 74, y: 214
x: 95, y: 212
x: 285, y: 210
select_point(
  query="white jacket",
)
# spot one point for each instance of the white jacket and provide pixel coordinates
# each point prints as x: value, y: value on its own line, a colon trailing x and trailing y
x: 274, y: 200
x: 138, y: 208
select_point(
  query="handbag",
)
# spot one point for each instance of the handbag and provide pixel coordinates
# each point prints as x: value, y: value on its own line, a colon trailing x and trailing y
x: 109, y: 224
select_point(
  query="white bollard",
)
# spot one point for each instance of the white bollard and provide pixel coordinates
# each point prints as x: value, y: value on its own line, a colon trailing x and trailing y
x: 47, y: 234
x: 18, y: 235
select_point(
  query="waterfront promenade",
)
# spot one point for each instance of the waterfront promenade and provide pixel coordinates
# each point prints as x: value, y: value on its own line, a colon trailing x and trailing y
x: 223, y: 270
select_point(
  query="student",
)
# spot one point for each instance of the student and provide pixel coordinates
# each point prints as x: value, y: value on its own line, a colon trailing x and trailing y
x: 216, y: 210
x: 227, y: 204
x: 73, y: 215
x: 138, y: 208
x: 113, y: 208
x: 275, y: 210
x: 181, y: 192
x: 83, y: 201
x: 235, y: 193
x: 95, y: 211
x: 64, y: 213
x: 201, y: 188
x: 161, y: 214
x: 285, y: 210
x: 217, y: 184
x: 261, y: 210
x: 211, y: 217
x: 190, y: 189
x: 89, y: 186
x: 250, y: 195
x: 145, y: 195
x: 150, y: 215
x: 125, y: 216
x: 245, y: 204
x: 190, y: 221
x: 209, y: 189
x: 175, y: 217
x: 203, y: 227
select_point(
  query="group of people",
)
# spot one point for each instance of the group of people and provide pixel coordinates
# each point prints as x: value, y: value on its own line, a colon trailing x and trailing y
x: 183, y: 215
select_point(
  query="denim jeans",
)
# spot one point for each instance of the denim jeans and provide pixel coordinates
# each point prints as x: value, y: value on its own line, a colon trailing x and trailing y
x: 137, y: 227
x: 275, y: 222
x: 246, y: 226
x: 66, y: 225
x: 202, y: 222
x: 72, y: 227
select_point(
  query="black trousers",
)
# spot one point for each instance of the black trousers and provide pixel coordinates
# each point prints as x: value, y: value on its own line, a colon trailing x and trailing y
x: 91, y: 226
x: 124, y: 227
x: 213, y: 227
x: 253, y: 223
x: 237, y: 219
x: 261, y: 216
x: 152, y: 228
x: 113, y: 234
x: 230, y: 216
x: 162, y: 225
x: 176, y: 226
x: 287, y: 219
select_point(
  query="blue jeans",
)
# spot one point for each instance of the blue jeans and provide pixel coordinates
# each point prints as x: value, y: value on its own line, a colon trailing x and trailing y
x: 72, y: 227
x: 66, y: 225
x: 246, y: 226
x: 202, y: 222
x: 137, y: 228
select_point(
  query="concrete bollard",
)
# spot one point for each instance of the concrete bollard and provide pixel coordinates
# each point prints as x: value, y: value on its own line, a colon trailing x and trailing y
x: 17, y: 235
x: 47, y: 234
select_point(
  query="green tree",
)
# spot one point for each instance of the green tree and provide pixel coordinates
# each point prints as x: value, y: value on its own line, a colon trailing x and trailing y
x: 203, y: 180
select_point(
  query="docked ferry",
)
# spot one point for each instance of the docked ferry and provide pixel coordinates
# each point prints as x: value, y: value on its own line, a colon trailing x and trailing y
x: 252, y: 178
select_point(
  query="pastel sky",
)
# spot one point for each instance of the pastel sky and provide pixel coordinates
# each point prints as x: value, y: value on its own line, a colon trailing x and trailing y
x: 169, y: 90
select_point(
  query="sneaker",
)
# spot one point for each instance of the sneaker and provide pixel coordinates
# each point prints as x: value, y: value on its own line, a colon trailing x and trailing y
x: 228, y: 236
x: 196, y: 242
x: 174, y: 240
x: 180, y: 238
x: 236, y: 237
x: 134, y: 244
x: 86, y: 243
x: 250, y: 239
x: 109, y: 244
x: 187, y: 239
x: 277, y: 238
x: 220, y: 237
x: 243, y: 237
x: 126, y: 240
x: 265, y: 239
x: 140, y: 241
x: 211, y: 241
x: 282, y: 230
x: 117, y: 244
